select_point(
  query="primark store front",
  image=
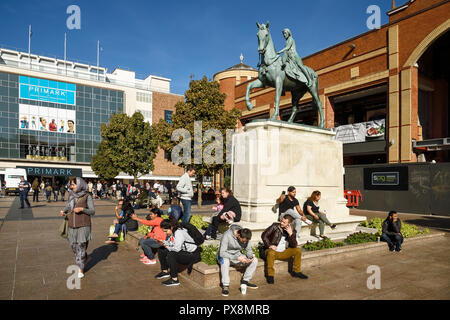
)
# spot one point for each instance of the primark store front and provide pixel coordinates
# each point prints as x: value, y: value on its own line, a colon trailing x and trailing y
x: 51, y: 128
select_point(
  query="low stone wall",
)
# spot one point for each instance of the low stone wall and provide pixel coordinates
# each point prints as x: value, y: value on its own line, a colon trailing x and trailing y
x: 209, y: 276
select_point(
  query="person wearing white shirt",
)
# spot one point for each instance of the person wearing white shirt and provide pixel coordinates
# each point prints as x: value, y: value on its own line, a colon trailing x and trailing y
x: 280, y: 242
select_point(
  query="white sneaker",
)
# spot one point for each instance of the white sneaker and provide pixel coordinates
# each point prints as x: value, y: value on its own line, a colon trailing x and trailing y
x: 80, y: 274
x: 243, y: 288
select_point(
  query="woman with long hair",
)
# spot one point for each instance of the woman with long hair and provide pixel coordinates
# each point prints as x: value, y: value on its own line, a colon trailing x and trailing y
x: 123, y: 212
x: 391, y: 232
x: 79, y: 210
x: 179, y: 248
x: 231, y: 212
x: 311, y: 209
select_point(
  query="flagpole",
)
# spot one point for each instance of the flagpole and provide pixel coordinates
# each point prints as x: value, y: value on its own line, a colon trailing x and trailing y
x: 29, y: 44
x: 65, y: 45
x: 98, y: 56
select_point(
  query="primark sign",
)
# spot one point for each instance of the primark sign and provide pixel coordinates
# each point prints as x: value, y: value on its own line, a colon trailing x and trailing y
x: 47, y: 90
x: 49, y: 171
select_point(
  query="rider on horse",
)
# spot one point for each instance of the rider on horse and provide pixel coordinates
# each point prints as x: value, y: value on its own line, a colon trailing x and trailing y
x: 291, y: 61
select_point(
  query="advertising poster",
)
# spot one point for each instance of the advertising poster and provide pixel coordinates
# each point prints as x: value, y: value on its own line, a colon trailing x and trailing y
x: 46, y: 119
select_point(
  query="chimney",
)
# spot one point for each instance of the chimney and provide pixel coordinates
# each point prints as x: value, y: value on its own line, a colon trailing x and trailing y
x: 393, y: 4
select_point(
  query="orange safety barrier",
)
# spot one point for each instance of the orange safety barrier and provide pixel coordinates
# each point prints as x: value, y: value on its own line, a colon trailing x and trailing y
x: 353, y: 197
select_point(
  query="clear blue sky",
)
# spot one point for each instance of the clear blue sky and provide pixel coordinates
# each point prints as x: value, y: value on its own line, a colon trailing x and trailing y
x: 179, y: 38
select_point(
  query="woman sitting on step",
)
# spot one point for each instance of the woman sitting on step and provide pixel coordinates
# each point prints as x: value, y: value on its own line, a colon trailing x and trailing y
x: 311, y: 209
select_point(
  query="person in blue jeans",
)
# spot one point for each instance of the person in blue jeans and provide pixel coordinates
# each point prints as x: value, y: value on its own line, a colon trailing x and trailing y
x: 123, y: 212
x: 391, y: 232
x: 24, y: 188
x: 153, y: 238
x: 184, y: 187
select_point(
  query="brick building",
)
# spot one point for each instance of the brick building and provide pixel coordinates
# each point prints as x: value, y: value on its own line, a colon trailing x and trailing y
x: 397, y: 75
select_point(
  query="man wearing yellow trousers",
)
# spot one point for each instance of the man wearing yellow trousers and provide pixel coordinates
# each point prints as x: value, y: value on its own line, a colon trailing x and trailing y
x: 280, y: 242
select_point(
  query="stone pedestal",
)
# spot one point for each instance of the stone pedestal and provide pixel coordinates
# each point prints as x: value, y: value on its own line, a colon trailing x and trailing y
x: 270, y: 156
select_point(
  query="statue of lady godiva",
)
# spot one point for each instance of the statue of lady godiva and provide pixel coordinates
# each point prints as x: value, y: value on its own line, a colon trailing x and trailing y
x: 292, y: 63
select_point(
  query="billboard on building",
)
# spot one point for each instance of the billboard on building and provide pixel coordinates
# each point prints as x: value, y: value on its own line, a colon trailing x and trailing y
x: 46, y: 119
x: 47, y: 90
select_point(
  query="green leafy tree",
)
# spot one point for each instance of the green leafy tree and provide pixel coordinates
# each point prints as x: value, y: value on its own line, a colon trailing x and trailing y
x: 129, y: 145
x: 203, y: 102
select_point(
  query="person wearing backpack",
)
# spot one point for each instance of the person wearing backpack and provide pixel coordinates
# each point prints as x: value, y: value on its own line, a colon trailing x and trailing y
x: 181, y: 247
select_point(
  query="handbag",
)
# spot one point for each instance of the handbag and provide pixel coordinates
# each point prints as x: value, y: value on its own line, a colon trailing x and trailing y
x: 64, y: 227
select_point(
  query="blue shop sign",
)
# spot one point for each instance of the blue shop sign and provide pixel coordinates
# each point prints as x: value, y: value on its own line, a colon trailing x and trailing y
x: 48, y: 171
x: 47, y: 90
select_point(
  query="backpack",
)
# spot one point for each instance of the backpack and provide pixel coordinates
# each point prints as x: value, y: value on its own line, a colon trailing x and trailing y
x: 198, y: 240
x: 194, y: 233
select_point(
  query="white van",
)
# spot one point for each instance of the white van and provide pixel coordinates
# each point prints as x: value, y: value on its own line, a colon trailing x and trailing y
x: 12, y: 179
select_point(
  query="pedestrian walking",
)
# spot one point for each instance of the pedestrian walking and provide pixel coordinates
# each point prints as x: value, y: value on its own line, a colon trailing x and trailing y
x: 184, y: 186
x: 79, y: 209
x: 48, y: 191
x: 55, y: 188
x: 24, y: 188
x: 62, y: 191
x: 42, y: 186
x: 35, y: 187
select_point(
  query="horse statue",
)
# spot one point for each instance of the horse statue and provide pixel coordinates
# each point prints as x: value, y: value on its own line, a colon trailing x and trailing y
x: 273, y: 73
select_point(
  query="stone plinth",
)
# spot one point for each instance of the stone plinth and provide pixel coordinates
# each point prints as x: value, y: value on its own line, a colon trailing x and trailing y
x: 270, y: 156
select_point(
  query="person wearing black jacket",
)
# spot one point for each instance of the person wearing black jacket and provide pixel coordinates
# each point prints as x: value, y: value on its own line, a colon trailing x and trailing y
x: 391, y: 232
x: 231, y: 204
x: 280, y: 243
x: 124, y: 210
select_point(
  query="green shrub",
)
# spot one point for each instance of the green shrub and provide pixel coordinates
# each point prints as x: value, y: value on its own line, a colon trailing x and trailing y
x: 322, y: 244
x: 209, y: 254
x: 143, y: 229
x: 360, y: 237
x: 196, y: 220
x: 408, y: 230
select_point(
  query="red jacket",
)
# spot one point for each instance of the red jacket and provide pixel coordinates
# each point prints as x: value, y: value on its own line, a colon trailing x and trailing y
x: 157, y: 233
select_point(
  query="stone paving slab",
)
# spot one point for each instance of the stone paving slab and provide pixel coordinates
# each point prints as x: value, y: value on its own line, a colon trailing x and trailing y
x: 34, y: 260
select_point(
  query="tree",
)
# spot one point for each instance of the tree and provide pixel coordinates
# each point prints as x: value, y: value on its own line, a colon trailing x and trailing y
x: 203, y: 102
x: 128, y: 145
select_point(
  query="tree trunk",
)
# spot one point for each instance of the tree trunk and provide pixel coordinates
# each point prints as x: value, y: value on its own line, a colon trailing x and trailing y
x: 199, y: 191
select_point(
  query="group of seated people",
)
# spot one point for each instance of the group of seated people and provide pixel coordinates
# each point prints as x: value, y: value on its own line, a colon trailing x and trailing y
x: 178, y: 242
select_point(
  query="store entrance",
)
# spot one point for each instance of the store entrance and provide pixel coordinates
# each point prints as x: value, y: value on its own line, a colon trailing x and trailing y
x: 56, y: 182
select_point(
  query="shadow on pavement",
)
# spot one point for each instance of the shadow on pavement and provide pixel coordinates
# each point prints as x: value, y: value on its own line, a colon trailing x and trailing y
x: 442, y: 224
x: 99, y: 254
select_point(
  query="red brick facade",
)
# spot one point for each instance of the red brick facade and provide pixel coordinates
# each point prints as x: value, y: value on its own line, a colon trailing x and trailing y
x: 161, y: 102
x: 386, y: 56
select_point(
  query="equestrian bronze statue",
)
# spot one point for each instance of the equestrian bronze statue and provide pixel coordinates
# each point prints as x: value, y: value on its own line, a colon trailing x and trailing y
x: 286, y: 74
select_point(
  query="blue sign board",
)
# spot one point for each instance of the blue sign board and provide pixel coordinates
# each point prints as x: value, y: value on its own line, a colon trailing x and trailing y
x: 41, y: 171
x: 168, y: 116
x: 47, y: 90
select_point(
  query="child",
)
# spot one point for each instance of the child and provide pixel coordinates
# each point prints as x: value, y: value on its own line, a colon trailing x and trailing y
x: 219, y: 207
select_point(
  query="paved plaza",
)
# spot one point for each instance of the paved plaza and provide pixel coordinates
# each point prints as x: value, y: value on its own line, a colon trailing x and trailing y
x: 34, y: 260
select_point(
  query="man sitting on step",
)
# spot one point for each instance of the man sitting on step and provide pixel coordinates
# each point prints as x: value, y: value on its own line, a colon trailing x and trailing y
x: 276, y: 238
x: 235, y: 240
